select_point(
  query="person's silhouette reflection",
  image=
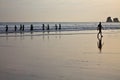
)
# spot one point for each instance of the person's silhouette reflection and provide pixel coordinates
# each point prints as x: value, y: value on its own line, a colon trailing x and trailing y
x: 31, y: 35
x: 100, y: 44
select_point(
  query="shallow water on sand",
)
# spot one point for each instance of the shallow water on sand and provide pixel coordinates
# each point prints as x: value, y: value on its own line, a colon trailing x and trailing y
x: 65, y: 56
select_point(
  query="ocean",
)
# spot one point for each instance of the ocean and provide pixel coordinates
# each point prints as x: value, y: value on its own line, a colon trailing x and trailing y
x: 65, y: 26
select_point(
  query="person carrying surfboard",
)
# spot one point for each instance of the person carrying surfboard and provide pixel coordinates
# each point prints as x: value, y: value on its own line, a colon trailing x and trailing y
x: 99, y: 27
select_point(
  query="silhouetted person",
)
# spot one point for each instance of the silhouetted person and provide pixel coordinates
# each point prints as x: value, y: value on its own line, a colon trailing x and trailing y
x: 56, y: 26
x: 15, y: 28
x: 20, y: 27
x: 100, y: 29
x: 6, y: 28
x: 100, y: 44
x: 23, y: 28
x: 48, y: 27
x: 31, y: 27
x: 59, y: 26
x: 43, y: 27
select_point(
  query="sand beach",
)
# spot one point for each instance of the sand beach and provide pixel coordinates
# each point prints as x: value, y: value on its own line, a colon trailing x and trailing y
x: 72, y: 55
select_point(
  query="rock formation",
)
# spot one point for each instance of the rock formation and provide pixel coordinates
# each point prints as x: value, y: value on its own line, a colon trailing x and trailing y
x: 109, y: 19
x: 115, y: 20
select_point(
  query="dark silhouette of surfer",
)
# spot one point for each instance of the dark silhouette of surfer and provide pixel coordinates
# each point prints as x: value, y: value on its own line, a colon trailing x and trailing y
x: 99, y: 27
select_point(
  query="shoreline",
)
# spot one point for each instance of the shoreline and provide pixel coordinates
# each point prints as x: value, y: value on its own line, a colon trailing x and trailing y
x: 76, y: 32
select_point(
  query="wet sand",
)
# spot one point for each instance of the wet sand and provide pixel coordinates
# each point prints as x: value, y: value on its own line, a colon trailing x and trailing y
x: 60, y: 56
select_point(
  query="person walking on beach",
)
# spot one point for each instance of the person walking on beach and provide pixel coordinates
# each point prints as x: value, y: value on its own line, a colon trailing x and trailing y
x: 59, y: 26
x: 20, y: 27
x: 43, y: 27
x: 48, y: 27
x: 31, y: 27
x: 6, y: 28
x: 55, y: 26
x: 23, y: 28
x: 15, y: 28
x: 100, y: 29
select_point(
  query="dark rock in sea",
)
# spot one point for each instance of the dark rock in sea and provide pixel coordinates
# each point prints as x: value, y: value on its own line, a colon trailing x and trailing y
x: 115, y: 20
x: 109, y: 19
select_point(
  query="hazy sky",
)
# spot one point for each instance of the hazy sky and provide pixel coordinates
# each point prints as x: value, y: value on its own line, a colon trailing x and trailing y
x: 58, y: 10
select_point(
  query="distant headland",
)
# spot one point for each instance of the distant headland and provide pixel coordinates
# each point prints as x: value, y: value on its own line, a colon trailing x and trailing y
x: 109, y: 19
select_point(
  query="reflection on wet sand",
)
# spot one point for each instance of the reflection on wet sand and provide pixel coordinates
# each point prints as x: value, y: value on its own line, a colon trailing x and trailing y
x: 6, y: 36
x: 100, y: 44
x: 44, y: 35
x: 31, y: 35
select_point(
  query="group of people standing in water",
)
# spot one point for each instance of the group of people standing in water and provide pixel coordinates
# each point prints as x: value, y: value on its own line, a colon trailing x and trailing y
x: 99, y: 27
x: 22, y: 27
x: 58, y: 27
